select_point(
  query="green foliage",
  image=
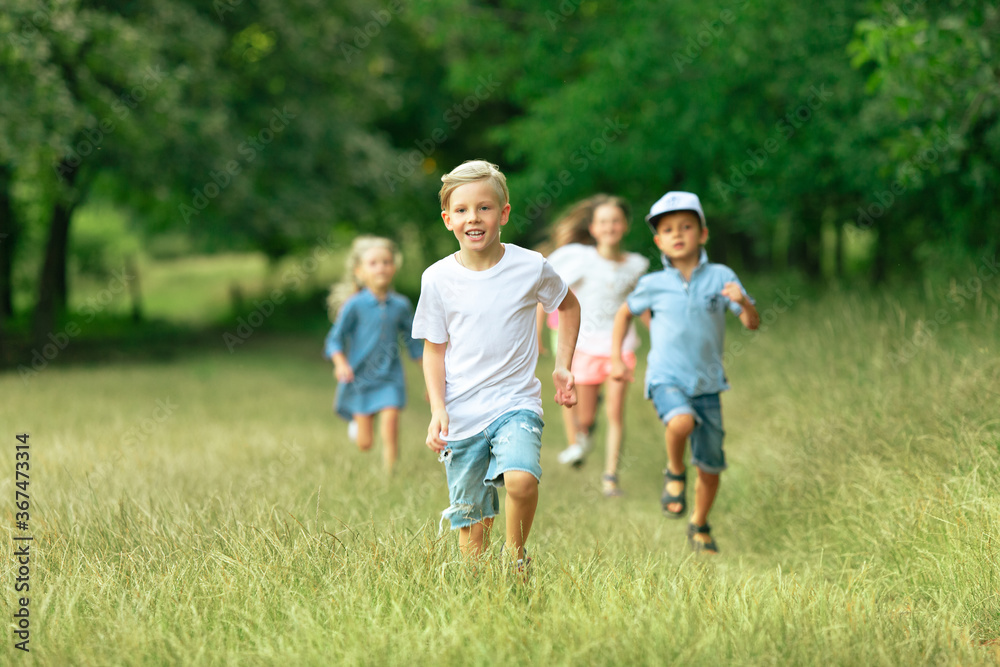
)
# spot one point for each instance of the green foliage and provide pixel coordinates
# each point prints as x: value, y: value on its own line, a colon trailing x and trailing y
x: 102, y: 240
x: 932, y: 70
x: 261, y: 126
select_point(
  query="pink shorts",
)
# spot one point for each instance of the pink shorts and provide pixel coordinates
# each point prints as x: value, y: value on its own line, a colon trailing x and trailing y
x: 594, y: 369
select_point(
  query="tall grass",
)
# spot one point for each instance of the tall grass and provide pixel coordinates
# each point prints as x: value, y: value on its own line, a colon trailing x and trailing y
x: 211, y: 511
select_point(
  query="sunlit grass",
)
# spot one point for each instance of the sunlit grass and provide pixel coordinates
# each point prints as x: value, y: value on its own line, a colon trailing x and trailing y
x: 211, y: 511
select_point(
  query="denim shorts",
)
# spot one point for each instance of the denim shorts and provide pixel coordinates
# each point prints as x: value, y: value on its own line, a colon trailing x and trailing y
x: 475, y: 466
x: 707, y: 453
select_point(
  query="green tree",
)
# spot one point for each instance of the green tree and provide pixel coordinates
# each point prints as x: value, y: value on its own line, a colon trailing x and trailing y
x: 750, y: 104
x: 933, y: 78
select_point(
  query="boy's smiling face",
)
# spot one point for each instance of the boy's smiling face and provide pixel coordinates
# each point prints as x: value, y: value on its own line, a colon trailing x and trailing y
x: 679, y: 235
x: 475, y: 216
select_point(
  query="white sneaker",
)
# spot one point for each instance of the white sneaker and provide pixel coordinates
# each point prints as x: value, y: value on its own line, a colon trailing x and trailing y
x: 575, y: 453
x: 352, y: 431
x: 571, y: 455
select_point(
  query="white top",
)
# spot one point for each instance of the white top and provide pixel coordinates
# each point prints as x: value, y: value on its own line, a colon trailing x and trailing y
x: 488, y: 320
x: 601, y: 285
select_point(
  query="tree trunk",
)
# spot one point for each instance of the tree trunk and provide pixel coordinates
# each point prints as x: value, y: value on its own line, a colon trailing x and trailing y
x: 8, y: 237
x: 52, y: 281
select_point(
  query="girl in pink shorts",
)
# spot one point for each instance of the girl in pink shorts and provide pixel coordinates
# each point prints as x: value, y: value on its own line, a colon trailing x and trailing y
x: 589, y: 258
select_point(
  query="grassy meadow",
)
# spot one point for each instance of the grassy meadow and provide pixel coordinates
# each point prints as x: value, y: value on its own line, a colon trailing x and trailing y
x: 207, y: 508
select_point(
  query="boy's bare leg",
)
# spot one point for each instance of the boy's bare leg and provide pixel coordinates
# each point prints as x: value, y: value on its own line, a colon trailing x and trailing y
x: 366, y: 431
x: 473, y: 540
x: 520, y: 505
x: 676, y: 435
x: 389, y: 426
x: 705, y: 490
x: 615, y: 410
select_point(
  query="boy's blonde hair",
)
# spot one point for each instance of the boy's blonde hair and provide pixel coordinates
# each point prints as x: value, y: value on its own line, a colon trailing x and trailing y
x: 350, y: 285
x: 471, y: 171
x: 573, y: 226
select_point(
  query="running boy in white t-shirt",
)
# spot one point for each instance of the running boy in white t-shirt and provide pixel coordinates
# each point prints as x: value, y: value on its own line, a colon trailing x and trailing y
x: 476, y: 314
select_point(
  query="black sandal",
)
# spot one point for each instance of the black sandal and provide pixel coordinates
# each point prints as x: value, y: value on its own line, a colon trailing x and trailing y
x: 669, y: 499
x: 697, y: 545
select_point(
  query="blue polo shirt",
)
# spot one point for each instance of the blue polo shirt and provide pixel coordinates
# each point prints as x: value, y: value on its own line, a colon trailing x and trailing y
x: 688, y: 326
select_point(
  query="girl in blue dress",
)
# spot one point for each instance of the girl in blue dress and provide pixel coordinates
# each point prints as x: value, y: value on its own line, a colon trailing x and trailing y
x: 364, y: 343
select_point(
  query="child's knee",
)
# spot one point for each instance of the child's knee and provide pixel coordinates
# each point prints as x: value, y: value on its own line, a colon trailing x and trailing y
x: 681, y: 425
x: 520, y: 484
x: 365, y: 440
x: 708, y: 478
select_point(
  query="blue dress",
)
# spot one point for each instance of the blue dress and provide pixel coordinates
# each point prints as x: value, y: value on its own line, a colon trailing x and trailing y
x: 367, y: 331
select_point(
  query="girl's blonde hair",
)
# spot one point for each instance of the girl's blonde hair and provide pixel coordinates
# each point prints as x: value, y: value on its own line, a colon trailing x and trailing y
x: 573, y: 226
x: 471, y: 171
x: 350, y: 284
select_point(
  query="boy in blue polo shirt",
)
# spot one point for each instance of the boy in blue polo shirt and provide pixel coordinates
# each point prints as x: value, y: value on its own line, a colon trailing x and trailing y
x: 684, y: 373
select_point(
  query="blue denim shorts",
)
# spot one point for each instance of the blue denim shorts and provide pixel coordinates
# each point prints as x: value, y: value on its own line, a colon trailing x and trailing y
x: 706, y: 439
x: 475, y: 466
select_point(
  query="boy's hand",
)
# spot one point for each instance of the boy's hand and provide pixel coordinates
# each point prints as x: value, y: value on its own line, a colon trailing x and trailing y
x: 565, y: 387
x: 620, y: 372
x: 437, y: 428
x: 733, y: 292
x: 343, y: 372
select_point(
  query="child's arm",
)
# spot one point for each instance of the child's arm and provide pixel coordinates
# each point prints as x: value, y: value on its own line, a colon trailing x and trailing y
x: 748, y: 316
x: 341, y: 368
x: 623, y: 318
x: 336, y: 340
x: 434, y: 379
x: 413, y: 345
x: 569, y: 329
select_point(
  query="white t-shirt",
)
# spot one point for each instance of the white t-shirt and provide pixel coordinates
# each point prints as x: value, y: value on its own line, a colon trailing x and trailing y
x: 601, y: 285
x: 488, y: 320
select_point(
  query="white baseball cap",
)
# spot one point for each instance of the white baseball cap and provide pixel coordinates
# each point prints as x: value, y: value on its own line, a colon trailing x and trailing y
x: 675, y: 201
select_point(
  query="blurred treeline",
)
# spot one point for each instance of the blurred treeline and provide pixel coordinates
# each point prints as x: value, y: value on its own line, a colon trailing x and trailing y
x: 853, y: 139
